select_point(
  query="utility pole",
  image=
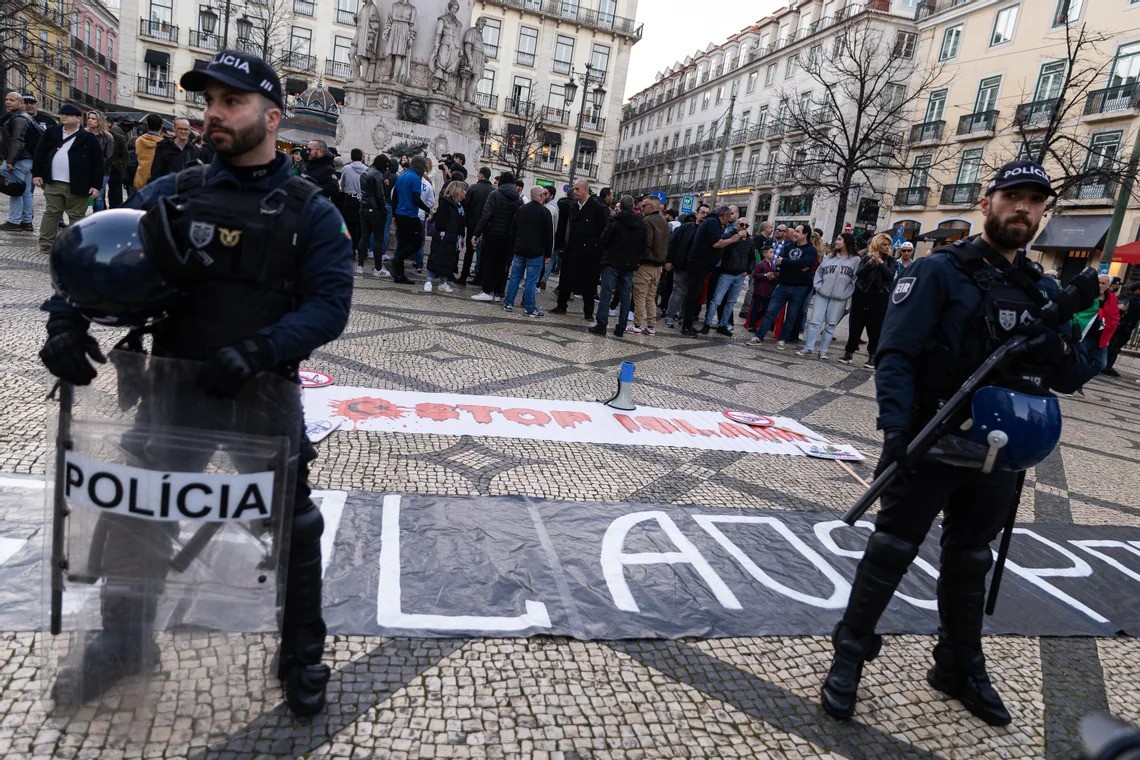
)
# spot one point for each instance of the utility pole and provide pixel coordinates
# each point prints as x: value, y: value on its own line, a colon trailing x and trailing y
x: 723, y: 151
x: 1121, y: 206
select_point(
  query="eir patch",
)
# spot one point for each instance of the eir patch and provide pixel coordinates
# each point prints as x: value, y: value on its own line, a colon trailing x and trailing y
x: 902, y: 289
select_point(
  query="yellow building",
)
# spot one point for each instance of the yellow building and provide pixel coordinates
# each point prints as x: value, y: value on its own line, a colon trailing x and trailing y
x: 40, y: 51
x: 1011, y: 82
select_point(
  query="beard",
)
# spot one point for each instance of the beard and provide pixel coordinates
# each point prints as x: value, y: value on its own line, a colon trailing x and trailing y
x: 237, y: 142
x: 1007, y: 237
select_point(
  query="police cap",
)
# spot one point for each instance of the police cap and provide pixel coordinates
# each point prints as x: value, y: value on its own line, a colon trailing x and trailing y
x: 1021, y: 174
x: 240, y: 70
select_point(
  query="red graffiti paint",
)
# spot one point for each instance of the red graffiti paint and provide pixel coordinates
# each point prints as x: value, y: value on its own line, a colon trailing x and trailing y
x: 481, y: 414
x: 368, y: 408
x: 657, y: 424
x: 526, y: 416
x: 695, y: 431
x: 437, y: 412
x: 569, y: 419
x: 627, y: 422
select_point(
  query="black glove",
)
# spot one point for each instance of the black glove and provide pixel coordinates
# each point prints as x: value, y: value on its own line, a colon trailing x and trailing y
x: 894, y: 450
x: 1045, y: 345
x: 233, y: 366
x: 66, y: 351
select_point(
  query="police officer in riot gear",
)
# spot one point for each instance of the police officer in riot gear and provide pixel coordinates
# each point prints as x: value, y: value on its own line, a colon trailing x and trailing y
x: 948, y: 313
x: 264, y: 263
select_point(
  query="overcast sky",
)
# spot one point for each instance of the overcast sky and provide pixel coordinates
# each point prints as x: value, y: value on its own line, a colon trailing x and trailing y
x: 677, y: 28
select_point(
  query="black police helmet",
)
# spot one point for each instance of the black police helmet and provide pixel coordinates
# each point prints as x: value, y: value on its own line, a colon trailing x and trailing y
x: 99, y: 264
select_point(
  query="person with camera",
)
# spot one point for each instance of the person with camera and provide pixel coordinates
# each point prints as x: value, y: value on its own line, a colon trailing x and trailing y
x: 454, y: 167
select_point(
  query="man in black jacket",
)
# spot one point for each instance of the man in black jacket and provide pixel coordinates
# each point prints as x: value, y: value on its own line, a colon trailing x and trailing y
x: 321, y: 170
x: 532, y: 239
x: 675, y: 261
x: 68, y: 165
x: 582, y: 257
x: 624, y: 240
x: 473, y: 204
x: 20, y: 135
x: 373, y: 212
x: 704, y: 255
x: 174, y: 154
x: 494, y: 230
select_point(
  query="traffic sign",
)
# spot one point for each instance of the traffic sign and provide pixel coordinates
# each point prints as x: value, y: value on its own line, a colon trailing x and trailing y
x: 660, y: 196
x: 687, y: 202
x: 848, y: 227
x: 1103, y: 268
x: 544, y: 183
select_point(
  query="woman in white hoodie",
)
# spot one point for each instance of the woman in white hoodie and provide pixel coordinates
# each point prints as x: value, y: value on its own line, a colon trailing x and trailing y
x: 834, y: 283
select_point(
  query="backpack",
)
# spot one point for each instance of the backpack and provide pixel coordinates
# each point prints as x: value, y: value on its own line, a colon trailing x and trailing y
x: 32, y: 134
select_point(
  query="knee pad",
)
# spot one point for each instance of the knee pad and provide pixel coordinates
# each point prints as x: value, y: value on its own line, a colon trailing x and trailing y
x: 966, y: 564
x: 890, y: 552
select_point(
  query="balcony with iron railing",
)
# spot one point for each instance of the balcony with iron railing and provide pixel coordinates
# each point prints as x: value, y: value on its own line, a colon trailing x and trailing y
x: 911, y: 196
x: 775, y: 129
x: 299, y: 62
x: 973, y: 126
x: 1113, y: 101
x: 552, y: 115
x: 550, y: 163
x: 487, y: 101
x: 56, y: 59
x: 585, y: 168
x: 927, y: 131
x: 305, y: 7
x: 158, y: 30
x: 156, y: 88
x: 1037, y: 114
x: 927, y: 8
x: 345, y: 17
x: 767, y: 175
x: 524, y: 59
x: 518, y: 106
x: 90, y: 101
x: 960, y: 195
x: 587, y: 17
x: 561, y: 67
x: 338, y: 69
x: 593, y: 123
x: 205, y: 40
x: 1096, y: 190
x: 54, y: 13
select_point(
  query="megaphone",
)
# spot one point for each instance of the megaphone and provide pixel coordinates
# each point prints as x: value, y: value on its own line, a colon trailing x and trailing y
x: 623, y: 399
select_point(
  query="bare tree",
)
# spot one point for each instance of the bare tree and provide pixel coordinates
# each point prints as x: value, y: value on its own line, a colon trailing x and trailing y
x: 1041, y: 129
x: 18, y: 44
x: 850, y: 125
x: 270, y: 37
x: 520, y: 137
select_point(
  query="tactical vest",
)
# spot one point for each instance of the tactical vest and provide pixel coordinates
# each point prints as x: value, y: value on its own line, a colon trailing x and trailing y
x: 257, y: 246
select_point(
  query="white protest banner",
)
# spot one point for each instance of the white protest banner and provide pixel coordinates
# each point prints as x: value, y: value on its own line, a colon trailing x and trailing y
x: 542, y: 419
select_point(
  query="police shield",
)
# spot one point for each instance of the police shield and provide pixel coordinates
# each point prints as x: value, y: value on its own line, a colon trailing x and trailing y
x: 170, y: 513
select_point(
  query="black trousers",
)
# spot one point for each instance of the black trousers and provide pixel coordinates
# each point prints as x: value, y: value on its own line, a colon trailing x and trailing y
x: 1119, y: 339
x: 698, y: 272
x: 409, y: 240
x: 350, y: 210
x: 372, y: 222
x: 468, y: 255
x: 114, y: 188
x: 867, y: 312
x: 493, y: 266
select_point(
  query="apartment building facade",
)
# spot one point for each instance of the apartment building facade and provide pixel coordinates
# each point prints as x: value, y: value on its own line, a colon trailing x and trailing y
x: 94, y: 56
x: 673, y: 134
x: 534, y: 48
x: 1006, y: 62
x: 36, y: 51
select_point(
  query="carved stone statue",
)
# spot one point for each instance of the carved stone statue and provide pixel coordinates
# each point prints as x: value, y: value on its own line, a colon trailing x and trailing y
x: 366, y: 43
x: 474, y: 59
x: 447, y: 43
x: 398, y: 38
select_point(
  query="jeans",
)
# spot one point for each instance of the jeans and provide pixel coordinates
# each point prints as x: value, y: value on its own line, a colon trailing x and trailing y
x: 554, y: 266
x: 101, y: 199
x: 677, y: 297
x: 1097, y: 356
x: 532, y: 269
x: 825, y: 316
x: 793, y: 297
x: 418, y: 257
x: 621, y: 283
x: 20, y: 209
x: 727, y: 290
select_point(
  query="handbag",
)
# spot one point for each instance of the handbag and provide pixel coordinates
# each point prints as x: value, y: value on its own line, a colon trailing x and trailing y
x: 430, y: 227
x: 13, y: 186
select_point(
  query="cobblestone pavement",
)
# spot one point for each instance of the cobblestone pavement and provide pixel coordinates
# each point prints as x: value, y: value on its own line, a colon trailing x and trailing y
x: 550, y: 697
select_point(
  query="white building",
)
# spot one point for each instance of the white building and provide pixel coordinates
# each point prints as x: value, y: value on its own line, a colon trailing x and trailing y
x: 533, y: 49
x: 672, y: 134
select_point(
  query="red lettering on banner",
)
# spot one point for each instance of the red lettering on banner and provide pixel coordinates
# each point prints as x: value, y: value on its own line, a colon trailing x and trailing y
x: 738, y: 431
x: 482, y: 414
x: 657, y: 424
x: 368, y: 408
x: 526, y: 416
x: 765, y: 433
x: 569, y: 419
x: 437, y: 412
x: 627, y: 423
x: 695, y: 431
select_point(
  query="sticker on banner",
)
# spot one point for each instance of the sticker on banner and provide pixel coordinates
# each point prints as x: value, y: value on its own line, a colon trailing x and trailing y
x: 310, y: 378
x: 167, y: 496
x: 749, y: 418
x: 318, y: 430
x: 831, y: 451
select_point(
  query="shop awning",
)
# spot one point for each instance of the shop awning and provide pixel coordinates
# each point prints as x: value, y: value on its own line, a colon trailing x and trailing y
x: 295, y: 86
x: 1073, y: 233
x: 941, y: 233
x: 551, y: 138
x: 587, y: 145
x: 157, y: 57
x: 1127, y: 254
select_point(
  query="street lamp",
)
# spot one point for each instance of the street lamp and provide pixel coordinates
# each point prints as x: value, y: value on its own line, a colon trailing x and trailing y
x: 208, y: 18
x: 598, y: 95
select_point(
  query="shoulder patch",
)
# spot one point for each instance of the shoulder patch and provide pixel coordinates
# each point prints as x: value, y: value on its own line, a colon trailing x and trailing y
x: 902, y: 289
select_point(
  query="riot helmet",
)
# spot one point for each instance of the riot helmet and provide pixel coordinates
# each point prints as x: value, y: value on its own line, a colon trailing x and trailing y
x: 101, y: 266
x: 1007, y: 430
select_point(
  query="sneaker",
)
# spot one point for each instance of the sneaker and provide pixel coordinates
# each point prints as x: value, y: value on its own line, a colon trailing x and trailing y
x: 668, y: 322
x: 823, y: 355
x: 755, y: 341
x: 381, y: 272
x: 613, y: 312
x: 724, y: 331
x: 635, y: 330
x: 27, y: 227
x: 10, y: 227
x: 596, y: 330
x: 536, y: 313
x: 558, y: 310
x: 496, y: 299
x: 386, y: 257
x: 688, y: 331
x: 705, y: 329
x: 483, y: 297
x: 650, y: 331
x: 508, y: 307
x: 445, y: 287
x: 427, y: 286
x: 804, y: 352
x: 845, y: 359
x: 360, y: 270
x: 868, y: 364
x: 781, y: 345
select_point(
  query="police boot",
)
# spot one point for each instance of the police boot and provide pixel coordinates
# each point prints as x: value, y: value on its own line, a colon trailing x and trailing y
x: 959, y: 665
x: 854, y: 638
x: 303, y: 632
x: 123, y: 648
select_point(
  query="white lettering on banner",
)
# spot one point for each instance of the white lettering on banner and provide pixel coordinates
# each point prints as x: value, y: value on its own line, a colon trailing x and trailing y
x: 388, y: 599
x: 823, y: 533
x: 9, y: 546
x: 1092, y: 546
x: 331, y: 508
x: 167, y: 496
x: 841, y: 589
x: 1036, y: 575
x: 614, y: 559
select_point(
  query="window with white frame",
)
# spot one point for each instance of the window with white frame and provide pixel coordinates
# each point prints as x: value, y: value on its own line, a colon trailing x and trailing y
x: 1004, y: 23
x: 492, y: 31
x: 752, y: 77
x: 719, y: 95
x: 920, y: 170
x: 790, y: 67
x: 951, y: 42
x: 905, y: 43
x: 301, y: 40
x: 1068, y: 11
x: 528, y: 46
x: 563, y: 54
x: 600, y: 59
x: 1125, y: 65
x: 161, y: 11
x: 705, y: 100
